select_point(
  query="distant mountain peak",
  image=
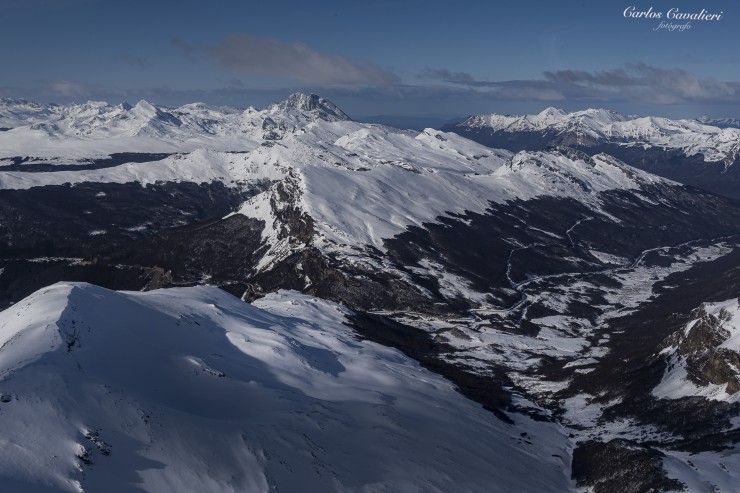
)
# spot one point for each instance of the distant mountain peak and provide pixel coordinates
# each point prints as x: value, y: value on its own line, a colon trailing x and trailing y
x: 148, y: 112
x: 145, y: 106
x: 552, y: 111
x: 311, y: 103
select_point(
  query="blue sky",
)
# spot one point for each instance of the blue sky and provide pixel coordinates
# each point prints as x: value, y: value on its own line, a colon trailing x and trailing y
x: 410, y: 57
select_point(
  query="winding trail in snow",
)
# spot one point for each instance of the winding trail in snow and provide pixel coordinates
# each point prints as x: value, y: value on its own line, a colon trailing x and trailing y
x: 570, y: 230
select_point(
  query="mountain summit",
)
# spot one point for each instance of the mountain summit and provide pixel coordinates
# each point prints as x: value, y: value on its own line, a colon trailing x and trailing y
x: 312, y: 104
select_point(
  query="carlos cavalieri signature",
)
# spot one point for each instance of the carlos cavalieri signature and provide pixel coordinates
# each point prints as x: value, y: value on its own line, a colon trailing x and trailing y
x: 673, y: 19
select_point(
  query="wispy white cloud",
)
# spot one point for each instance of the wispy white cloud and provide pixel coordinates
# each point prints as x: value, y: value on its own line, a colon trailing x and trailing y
x: 636, y: 82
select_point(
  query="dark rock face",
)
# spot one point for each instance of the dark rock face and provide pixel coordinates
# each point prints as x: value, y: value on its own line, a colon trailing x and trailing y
x: 313, y: 104
x: 719, y: 367
x: 698, y: 347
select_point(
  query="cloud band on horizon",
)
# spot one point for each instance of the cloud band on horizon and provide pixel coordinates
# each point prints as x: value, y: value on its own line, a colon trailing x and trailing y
x: 251, y: 55
x: 633, y: 82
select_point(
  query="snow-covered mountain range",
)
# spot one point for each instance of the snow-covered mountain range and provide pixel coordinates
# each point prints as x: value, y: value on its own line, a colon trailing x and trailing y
x: 720, y: 122
x: 98, y: 129
x: 546, y: 285
x: 597, y: 125
x: 698, y: 152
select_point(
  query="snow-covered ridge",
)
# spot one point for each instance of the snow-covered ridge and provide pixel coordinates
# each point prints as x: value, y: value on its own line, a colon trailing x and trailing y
x: 106, y: 391
x: 97, y: 129
x: 360, y: 183
x: 714, y: 141
x: 373, y: 183
x: 720, y: 122
x: 19, y: 112
x: 593, y: 119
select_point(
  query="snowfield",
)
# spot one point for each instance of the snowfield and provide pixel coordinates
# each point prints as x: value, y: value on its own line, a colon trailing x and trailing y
x: 193, y: 390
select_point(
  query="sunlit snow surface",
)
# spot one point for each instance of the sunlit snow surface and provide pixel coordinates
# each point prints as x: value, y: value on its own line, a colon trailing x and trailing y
x: 360, y: 183
x: 193, y: 390
x: 691, y: 136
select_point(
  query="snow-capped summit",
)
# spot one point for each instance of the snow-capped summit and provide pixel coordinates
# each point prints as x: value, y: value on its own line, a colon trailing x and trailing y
x: 551, y: 114
x: 154, y: 117
x: 145, y: 110
x: 310, y: 104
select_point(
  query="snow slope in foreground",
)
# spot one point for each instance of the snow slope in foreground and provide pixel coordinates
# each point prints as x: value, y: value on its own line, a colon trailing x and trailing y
x: 193, y: 390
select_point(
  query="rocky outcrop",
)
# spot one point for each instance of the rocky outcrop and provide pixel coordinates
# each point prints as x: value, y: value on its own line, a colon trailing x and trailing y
x: 699, y: 346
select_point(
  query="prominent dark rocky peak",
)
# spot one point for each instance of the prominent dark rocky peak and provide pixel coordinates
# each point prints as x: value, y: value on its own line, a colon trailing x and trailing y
x: 311, y: 104
x: 700, y: 346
